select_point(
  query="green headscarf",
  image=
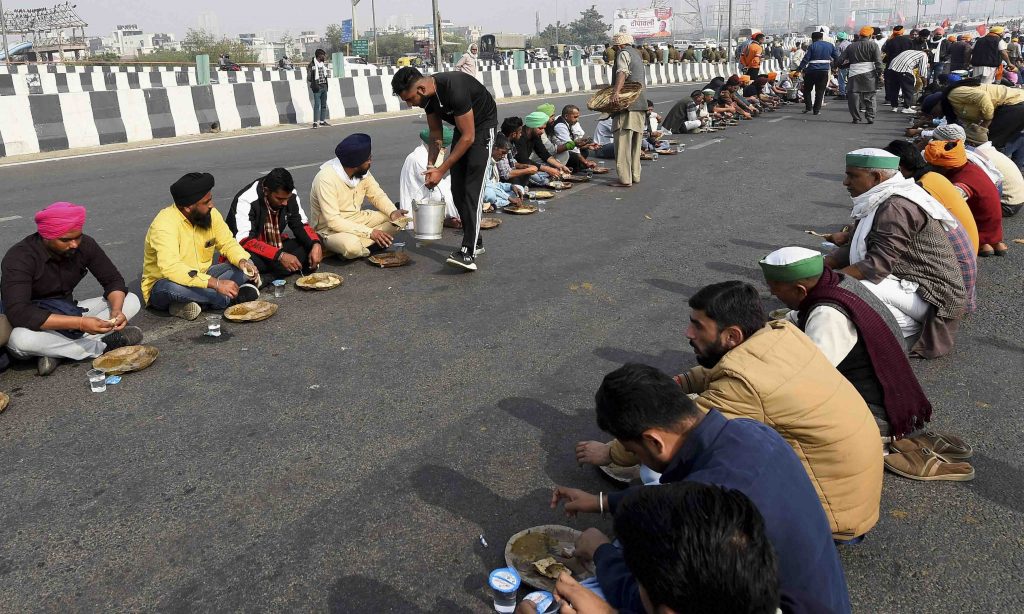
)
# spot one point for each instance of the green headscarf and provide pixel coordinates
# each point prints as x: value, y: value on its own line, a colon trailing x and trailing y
x: 447, y: 134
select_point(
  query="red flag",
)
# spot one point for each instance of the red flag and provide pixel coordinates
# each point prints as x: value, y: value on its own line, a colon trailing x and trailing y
x: 945, y: 23
x: 982, y: 29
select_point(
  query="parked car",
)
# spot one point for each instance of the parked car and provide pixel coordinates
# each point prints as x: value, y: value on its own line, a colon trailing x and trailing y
x: 540, y: 55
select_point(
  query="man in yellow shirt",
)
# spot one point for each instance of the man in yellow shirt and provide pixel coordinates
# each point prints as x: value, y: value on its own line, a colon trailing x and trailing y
x: 177, y: 275
x: 336, y: 202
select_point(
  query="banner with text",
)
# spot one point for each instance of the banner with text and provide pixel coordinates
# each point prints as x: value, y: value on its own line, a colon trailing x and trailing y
x: 643, y: 23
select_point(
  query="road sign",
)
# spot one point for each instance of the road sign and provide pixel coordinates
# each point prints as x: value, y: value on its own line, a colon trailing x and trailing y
x: 346, y: 31
x: 361, y: 47
x: 927, y: 2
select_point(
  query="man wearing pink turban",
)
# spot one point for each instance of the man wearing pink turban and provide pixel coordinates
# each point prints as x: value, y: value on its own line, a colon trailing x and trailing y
x: 38, y: 277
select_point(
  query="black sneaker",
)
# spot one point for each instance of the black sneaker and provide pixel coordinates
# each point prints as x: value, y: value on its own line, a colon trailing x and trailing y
x: 246, y: 293
x: 129, y: 335
x: 463, y: 259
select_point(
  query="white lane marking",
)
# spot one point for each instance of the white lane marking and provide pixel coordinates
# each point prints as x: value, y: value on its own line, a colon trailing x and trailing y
x: 705, y: 144
x: 778, y: 119
x: 279, y: 131
x: 295, y: 168
x: 10, y: 218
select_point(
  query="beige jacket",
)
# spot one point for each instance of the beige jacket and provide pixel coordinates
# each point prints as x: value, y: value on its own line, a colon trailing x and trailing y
x: 779, y: 377
x: 333, y: 203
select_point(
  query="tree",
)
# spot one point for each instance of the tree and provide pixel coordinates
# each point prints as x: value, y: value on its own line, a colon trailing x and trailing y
x: 332, y: 39
x: 590, y: 28
x: 394, y: 46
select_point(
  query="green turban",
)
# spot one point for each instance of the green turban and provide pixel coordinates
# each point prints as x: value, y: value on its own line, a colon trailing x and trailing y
x: 447, y: 134
x: 547, y: 109
x: 537, y: 119
x: 792, y: 264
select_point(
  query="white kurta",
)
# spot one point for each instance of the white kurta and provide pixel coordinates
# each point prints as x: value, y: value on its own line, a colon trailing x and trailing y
x: 412, y: 186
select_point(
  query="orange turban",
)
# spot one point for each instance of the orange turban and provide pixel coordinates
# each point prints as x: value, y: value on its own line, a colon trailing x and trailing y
x: 772, y: 76
x: 867, y: 31
x: 744, y: 79
x: 946, y: 154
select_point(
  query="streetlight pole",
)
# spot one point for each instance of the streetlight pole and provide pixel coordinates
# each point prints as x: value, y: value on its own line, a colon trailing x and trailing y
x: 435, y: 17
x: 728, y: 48
x: 355, y: 30
x: 373, y: 14
x: 3, y: 30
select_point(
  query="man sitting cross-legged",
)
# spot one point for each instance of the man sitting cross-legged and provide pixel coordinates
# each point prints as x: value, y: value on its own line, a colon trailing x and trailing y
x: 862, y: 339
x: 774, y: 374
x: 261, y: 216
x: 178, y: 274
x: 39, y: 277
x: 337, y: 197
x: 656, y: 421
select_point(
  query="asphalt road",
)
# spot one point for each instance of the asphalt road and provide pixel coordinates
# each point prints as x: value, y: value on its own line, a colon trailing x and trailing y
x: 346, y: 454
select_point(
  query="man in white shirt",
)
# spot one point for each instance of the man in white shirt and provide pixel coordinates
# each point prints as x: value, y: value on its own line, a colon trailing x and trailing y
x: 567, y: 133
x: 604, y: 137
x: 412, y: 186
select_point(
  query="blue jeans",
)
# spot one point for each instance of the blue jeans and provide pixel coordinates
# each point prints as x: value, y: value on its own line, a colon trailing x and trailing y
x: 842, y: 75
x: 320, y: 105
x: 540, y: 179
x: 1014, y: 150
x: 166, y: 292
x: 497, y: 193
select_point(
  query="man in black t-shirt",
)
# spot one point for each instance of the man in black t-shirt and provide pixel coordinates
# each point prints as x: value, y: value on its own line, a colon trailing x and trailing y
x: 460, y: 100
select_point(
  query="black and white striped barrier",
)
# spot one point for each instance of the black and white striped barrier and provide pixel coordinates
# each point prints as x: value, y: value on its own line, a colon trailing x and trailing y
x: 69, y: 120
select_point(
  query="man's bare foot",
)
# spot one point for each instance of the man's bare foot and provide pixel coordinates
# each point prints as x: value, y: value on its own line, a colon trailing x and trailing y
x: 593, y: 453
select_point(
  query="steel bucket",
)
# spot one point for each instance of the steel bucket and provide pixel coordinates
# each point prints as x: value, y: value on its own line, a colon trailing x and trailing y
x: 428, y: 218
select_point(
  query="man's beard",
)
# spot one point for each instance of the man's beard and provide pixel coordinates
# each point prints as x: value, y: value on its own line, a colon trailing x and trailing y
x: 67, y: 254
x: 201, y: 220
x: 360, y: 174
x: 711, y: 355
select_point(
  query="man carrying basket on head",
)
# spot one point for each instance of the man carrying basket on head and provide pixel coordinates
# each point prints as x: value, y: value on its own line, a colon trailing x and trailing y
x: 628, y: 124
x: 462, y: 101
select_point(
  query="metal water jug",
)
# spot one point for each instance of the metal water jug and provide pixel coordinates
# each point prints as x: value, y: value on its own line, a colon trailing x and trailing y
x: 428, y: 216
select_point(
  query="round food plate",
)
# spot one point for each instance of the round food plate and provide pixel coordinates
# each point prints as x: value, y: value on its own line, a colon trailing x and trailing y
x: 601, y: 170
x: 319, y: 281
x: 543, y: 194
x: 126, y: 359
x: 538, y: 543
x: 577, y: 179
x: 387, y: 260
x: 4, y: 402
x: 622, y: 475
x: 560, y: 185
x: 488, y: 223
x: 253, y: 311
x: 520, y: 209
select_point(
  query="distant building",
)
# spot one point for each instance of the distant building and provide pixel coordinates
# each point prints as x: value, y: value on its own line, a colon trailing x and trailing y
x: 129, y: 41
x: 208, y: 22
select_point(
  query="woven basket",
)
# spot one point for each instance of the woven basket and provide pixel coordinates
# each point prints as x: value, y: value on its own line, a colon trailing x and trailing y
x: 601, y: 101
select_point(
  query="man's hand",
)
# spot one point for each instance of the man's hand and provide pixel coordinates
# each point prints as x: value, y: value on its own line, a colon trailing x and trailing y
x: 226, y: 287
x: 526, y: 607
x: 248, y: 268
x: 614, y: 99
x: 593, y: 453
x: 381, y: 238
x: 587, y: 544
x: 397, y: 213
x: 289, y: 262
x: 120, y: 320
x: 577, y: 599
x: 432, y: 176
x: 576, y: 501
x: 839, y: 238
x: 532, y: 169
x: 95, y: 326
x: 316, y: 256
x: 912, y: 131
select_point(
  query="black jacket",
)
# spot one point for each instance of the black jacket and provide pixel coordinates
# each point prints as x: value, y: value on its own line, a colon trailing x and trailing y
x: 249, y: 212
x: 311, y: 78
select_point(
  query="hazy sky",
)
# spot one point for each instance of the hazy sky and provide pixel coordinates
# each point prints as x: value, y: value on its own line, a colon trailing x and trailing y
x: 236, y: 16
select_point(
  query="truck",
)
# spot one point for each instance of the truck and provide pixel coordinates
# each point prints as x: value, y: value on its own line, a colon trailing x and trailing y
x: 495, y: 47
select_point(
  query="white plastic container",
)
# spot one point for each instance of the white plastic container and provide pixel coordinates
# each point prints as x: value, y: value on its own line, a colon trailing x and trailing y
x: 504, y: 583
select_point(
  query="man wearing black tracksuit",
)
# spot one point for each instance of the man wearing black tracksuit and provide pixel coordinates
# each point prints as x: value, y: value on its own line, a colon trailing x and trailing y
x: 460, y: 100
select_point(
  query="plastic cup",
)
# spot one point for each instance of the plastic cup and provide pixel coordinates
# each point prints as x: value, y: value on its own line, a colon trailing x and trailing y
x: 655, y: 156
x: 279, y: 285
x: 97, y: 380
x: 680, y: 148
x: 544, y: 602
x: 213, y: 325
x: 504, y: 583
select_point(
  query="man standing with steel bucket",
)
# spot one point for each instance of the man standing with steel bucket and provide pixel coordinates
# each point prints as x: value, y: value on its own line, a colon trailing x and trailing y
x: 462, y: 101
x: 628, y: 125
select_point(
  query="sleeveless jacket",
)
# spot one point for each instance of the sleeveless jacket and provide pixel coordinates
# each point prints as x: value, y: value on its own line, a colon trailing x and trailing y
x: 637, y: 74
x: 986, y: 52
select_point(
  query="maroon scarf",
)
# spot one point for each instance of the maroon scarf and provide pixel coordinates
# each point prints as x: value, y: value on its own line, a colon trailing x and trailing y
x: 906, y: 405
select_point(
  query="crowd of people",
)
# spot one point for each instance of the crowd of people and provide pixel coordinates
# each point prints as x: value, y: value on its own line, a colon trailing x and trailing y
x: 771, y: 451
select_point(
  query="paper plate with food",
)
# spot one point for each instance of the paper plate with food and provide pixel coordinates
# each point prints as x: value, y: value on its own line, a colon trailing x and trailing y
x: 126, y: 359
x: 542, y: 194
x: 402, y: 222
x: 319, y: 281
x: 600, y: 170
x: 388, y: 260
x: 560, y: 185
x: 620, y: 473
x: 252, y: 311
x: 488, y: 223
x: 4, y: 401
x: 540, y: 554
x: 576, y: 179
x: 519, y: 209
